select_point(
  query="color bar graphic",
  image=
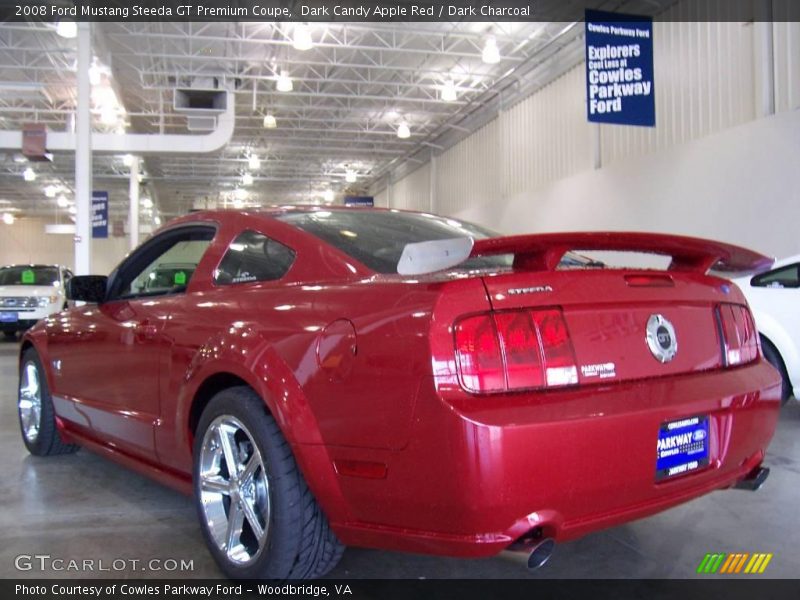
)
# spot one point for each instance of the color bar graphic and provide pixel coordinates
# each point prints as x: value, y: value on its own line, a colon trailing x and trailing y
x: 720, y: 562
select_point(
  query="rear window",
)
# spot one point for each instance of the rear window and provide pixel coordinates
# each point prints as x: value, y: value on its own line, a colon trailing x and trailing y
x: 377, y: 239
x: 785, y: 277
x: 29, y: 275
x: 252, y: 256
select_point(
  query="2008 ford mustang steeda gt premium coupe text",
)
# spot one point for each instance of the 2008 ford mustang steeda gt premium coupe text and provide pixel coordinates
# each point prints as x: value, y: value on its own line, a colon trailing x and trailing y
x: 321, y: 377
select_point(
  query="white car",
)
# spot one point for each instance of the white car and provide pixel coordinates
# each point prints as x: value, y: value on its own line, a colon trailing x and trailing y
x: 29, y: 293
x: 774, y: 298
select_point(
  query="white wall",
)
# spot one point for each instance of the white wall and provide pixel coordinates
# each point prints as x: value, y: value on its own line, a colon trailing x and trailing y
x: 26, y: 242
x: 741, y: 185
x: 704, y: 169
x: 413, y: 192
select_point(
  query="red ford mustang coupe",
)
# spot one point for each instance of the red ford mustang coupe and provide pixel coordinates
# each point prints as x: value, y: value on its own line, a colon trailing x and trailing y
x: 322, y: 377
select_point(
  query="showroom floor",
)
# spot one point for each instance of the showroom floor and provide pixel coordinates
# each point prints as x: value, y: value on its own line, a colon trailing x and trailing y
x: 84, y: 507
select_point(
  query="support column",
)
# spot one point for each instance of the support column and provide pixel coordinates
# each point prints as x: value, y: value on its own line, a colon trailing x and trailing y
x: 83, y: 154
x: 597, y: 146
x: 432, y: 190
x: 767, y: 52
x: 133, y: 209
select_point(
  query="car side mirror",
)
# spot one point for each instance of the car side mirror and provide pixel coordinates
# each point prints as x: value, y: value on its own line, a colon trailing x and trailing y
x: 87, y: 288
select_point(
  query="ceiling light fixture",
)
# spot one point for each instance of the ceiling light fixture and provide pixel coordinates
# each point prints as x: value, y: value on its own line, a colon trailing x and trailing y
x: 95, y: 73
x: 328, y: 195
x: 67, y: 29
x: 157, y: 220
x: 284, y: 82
x: 147, y: 202
x: 127, y: 160
x: 8, y: 218
x: 29, y: 174
x: 350, y: 176
x: 403, y: 131
x: 448, y: 91
x: 270, y: 122
x: 108, y: 115
x: 62, y: 201
x: 247, y: 179
x: 50, y: 191
x: 254, y: 162
x: 302, y: 37
x: 491, y: 53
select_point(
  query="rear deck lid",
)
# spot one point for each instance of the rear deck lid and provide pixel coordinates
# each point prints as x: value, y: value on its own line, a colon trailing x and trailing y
x: 624, y: 324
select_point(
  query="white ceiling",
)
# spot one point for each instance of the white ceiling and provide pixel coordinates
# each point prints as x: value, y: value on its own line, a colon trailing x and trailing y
x: 352, y: 89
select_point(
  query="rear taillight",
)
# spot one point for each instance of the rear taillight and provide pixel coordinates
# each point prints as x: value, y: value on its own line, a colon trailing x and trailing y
x: 740, y: 344
x: 478, y: 353
x: 515, y: 350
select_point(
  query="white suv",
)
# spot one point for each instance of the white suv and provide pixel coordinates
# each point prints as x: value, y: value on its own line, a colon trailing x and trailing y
x: 29, y: 293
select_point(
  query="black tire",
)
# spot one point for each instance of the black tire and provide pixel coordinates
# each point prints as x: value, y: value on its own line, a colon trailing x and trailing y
x: 774, y: 358
x: 48, y: 441
x: 300, y: 543
x: 10, y: 335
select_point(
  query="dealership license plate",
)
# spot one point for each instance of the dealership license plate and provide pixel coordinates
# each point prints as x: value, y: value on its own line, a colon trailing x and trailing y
x: 8, y: 317
x: 682, y: 447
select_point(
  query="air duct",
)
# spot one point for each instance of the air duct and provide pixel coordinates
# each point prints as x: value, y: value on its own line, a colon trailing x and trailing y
x: 143, y: 144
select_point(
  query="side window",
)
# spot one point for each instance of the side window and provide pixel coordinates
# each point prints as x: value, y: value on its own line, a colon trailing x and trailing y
x: 785, y: 277
x: 164, y: 265
x: 252, y: 256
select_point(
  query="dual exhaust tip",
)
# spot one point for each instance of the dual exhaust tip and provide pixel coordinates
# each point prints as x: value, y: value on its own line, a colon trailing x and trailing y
x: 754, y: 480
x: 533, y: 557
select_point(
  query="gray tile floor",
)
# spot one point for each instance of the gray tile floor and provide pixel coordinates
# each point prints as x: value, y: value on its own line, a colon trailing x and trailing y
x: 84, y: 507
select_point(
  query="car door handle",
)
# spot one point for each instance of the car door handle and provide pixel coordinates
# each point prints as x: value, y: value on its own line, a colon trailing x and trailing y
x: 145, y: 331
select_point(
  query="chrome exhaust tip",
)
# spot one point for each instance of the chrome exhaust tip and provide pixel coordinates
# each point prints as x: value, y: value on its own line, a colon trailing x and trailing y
x: 541, y: 553
x: 754, y: 480
x: 533, y: 557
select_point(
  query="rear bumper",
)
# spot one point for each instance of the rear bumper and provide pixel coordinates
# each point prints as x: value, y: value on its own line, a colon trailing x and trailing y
x: 480, y: 473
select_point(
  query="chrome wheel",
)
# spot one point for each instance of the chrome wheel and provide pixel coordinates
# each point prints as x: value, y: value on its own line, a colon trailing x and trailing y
x: 30, y: 402
x: 234, y: 490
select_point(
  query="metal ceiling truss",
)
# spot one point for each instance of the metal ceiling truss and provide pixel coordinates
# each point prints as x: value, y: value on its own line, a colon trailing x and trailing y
x: 351, y: 91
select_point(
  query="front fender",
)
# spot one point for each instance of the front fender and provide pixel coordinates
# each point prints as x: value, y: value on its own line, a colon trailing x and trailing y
x: 37, y: 338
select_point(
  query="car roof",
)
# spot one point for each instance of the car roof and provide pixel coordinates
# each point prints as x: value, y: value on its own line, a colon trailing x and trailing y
x: 785, y: 261
x: 32, y: 266
x: 273, y: 211
x: 283, y: 209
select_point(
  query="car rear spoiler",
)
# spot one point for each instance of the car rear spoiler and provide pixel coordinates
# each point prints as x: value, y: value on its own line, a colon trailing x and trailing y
x: 543, y: 252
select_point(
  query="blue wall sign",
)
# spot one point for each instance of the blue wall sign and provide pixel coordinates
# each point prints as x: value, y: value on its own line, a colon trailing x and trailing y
x: 620, y: 84
x: 359, y: 201
x: 99, y: 214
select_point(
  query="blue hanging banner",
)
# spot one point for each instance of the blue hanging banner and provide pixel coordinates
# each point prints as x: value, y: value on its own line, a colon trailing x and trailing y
x: 99, y: 214
x: 359, y: 201
x: 620, y: 85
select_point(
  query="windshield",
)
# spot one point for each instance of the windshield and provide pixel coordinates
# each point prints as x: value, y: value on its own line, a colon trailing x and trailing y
x: 29, y: 275
x: 377, y: 239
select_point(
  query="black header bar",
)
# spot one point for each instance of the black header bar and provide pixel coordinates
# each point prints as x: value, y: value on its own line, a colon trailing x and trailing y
x: 390, y: 10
